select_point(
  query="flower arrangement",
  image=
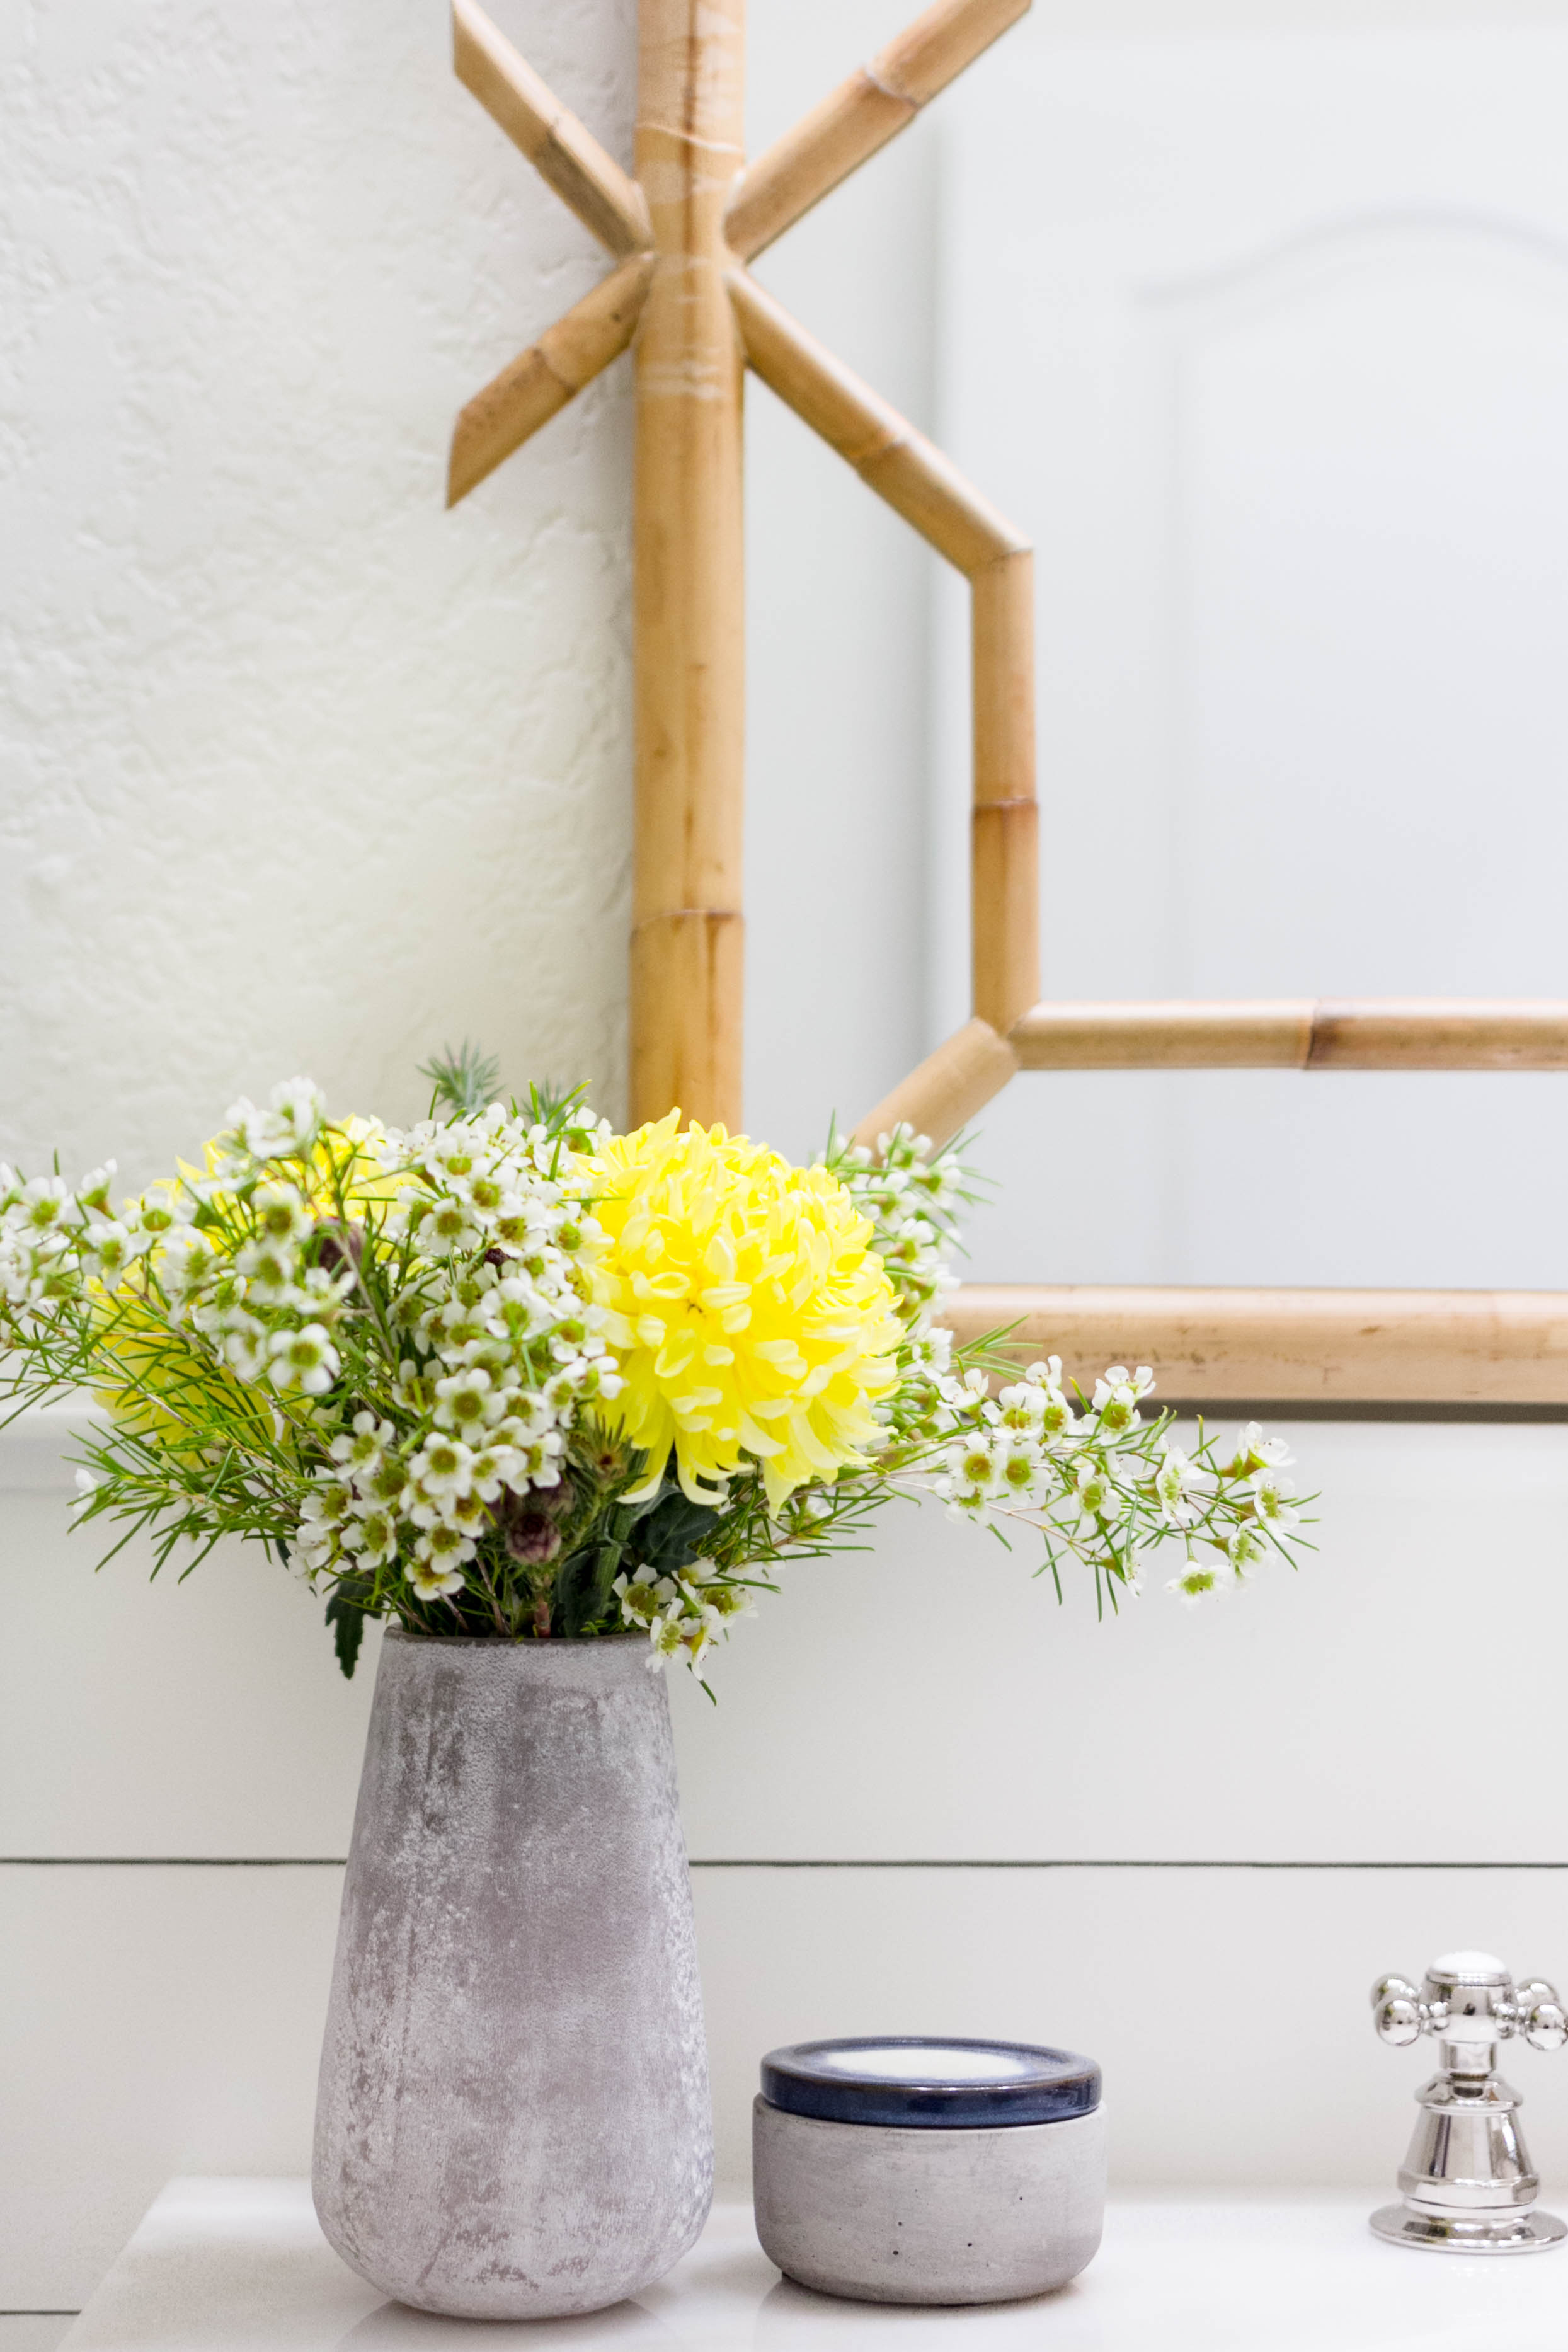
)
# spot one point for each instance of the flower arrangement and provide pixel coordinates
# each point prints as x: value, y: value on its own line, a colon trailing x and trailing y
x: 511, y: 1374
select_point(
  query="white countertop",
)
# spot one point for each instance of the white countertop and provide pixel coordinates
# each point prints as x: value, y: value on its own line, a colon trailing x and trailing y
x: 241, y: 2267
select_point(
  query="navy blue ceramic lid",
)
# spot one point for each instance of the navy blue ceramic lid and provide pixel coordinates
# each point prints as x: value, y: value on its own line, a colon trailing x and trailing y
x: 908, y: 2080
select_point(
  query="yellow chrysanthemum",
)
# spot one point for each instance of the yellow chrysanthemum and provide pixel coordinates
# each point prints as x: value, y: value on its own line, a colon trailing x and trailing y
x: 747, y: 1310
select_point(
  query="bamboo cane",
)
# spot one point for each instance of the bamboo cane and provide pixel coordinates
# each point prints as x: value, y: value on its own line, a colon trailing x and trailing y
x: 917, y: 481
x: 943, y: 1095
x: 561, y: 150
x: 861, y: 116
x: 687, y: 940
x: 1296, y: 1034
x: 538, y: 383
x: 1405, y: 1034
x: 1360, y: 1347
x: 1004, y: 881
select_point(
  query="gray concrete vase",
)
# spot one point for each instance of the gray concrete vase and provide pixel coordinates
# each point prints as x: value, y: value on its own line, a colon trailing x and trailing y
x: 513, y: 2118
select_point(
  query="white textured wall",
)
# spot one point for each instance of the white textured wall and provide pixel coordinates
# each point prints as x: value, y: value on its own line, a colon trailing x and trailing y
x: 299, y: 770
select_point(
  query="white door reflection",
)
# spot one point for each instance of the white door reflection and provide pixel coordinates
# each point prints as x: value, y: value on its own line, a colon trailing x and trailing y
x: 1264, y: 342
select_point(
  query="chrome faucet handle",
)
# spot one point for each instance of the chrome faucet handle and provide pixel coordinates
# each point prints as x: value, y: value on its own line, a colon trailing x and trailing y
x: 1540, y: 2016
x: 1399, y: 2015
x: 1470, y: 2001
x: 1467, y: 2183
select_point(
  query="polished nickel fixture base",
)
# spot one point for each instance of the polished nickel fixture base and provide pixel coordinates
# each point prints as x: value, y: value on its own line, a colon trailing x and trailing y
x: 1479, y: 2234
x: 1467, y: 2183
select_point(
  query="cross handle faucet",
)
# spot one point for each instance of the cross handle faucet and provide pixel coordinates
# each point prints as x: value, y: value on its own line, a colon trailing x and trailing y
x: 1468, y: 2002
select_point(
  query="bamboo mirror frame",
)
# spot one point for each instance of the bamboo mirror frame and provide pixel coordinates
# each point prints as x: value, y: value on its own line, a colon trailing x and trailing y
x: 681, y: 233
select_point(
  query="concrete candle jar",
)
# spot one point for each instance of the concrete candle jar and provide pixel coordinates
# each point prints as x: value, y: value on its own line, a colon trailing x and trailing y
x: 902, y: 2170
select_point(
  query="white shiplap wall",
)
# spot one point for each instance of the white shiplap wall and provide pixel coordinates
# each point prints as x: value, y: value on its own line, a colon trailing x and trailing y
x: 991, y: 1818
x: 927, y: 1797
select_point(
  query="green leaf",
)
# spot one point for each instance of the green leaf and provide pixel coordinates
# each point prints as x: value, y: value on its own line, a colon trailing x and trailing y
x: 465, y: 1080
x: 551, y: 1105
x: 674, y: 1533
x: 346, y: 1616
x: 582, y: 1586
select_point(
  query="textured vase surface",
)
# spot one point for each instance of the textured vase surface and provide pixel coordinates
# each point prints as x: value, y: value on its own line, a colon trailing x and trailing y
x: 513, y: 2118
